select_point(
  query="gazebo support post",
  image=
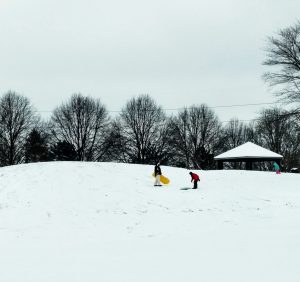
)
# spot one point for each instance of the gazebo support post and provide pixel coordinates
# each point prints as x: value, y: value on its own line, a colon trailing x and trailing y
x: 248, y: 165
x: 220, y: 165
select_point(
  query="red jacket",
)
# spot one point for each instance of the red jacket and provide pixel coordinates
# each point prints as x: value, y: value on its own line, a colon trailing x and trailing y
x: 195, y: 176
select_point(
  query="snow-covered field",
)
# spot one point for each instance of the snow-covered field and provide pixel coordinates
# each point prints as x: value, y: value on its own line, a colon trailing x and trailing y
x: 103, y: 222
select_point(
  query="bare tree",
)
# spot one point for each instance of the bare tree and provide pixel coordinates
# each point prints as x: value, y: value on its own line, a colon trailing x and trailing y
x: 235, y: 134
x: 115, y: 143
x: 139, y: 132
x: 181, y: 140
x: 16, y: 121
x: 283, y: 55
x: 197, y: 134
x: 272, y: 128
x: 82, y: 122
x: 279, y: 131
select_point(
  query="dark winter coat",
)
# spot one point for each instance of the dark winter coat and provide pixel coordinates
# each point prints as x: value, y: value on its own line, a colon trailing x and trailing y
x: 157, y: 170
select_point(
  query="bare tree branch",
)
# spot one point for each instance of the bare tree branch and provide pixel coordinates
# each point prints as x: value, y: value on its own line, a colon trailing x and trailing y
x: 82, y: 122
x: 283, y: 55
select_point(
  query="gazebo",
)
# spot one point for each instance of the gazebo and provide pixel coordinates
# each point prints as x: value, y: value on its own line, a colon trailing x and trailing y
x: 247, y: 153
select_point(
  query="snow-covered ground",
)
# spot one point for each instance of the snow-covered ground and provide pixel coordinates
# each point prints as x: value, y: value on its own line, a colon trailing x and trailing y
x: 103, y: 222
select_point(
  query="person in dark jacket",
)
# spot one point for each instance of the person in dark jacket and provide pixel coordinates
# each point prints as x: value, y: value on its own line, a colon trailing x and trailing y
x: 195, y: 178
x: 157, y: 174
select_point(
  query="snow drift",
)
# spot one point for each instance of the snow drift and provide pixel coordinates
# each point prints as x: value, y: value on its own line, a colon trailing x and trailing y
x: 71, y: 221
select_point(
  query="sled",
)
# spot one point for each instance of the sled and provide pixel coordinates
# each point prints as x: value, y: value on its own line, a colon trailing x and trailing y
x: 163, y: 179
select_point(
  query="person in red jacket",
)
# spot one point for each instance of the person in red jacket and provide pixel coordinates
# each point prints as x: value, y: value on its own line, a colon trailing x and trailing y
x: 195, y: 178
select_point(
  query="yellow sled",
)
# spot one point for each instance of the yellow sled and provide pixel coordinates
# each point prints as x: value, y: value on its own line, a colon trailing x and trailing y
x: 163, y: 179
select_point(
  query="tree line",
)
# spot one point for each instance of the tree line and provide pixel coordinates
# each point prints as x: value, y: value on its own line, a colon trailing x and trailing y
x: 82, y: 130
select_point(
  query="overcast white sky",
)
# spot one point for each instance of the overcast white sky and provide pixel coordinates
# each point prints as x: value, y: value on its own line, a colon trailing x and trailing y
x: 180, y: 52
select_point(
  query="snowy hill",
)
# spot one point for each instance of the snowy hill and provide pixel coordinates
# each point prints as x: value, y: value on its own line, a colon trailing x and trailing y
x: 88, y: 222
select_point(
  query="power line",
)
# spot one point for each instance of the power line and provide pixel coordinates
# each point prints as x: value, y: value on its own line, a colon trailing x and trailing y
x: 178, y: 109
x: 294, y: 113
x: 229, y: 106
x: 241, y: 120
x: 212, y: 107
x: 245, y: 105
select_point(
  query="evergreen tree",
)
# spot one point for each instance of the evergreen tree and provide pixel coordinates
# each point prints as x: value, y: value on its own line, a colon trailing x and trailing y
x: 36, y: 148
x: 63, y: 151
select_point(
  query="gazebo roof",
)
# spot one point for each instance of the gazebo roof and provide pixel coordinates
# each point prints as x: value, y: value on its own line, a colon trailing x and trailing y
x: 249, y: 151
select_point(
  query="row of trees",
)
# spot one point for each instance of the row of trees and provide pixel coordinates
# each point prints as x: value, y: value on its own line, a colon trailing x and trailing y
x: 82, y: 130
